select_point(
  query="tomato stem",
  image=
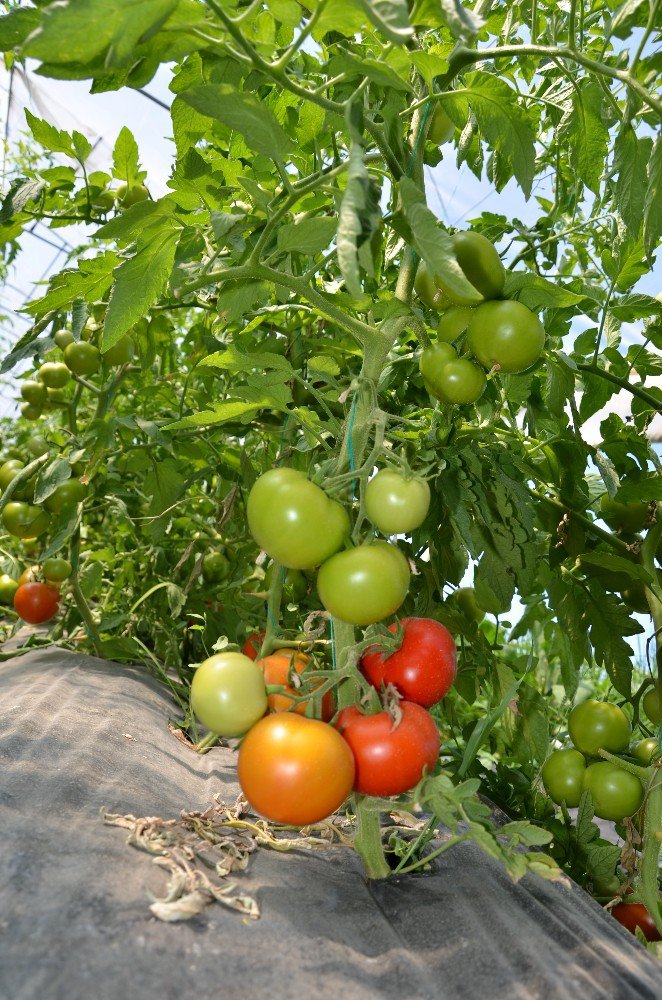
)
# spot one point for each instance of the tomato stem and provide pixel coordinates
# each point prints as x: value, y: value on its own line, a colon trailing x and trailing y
x: 368, y: 839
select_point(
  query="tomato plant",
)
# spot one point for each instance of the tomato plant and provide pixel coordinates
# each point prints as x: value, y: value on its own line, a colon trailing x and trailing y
x: 563, y: 776
x: 396, y: 504
x: 645, y: 750
x: 228, y: 694
x: 507, y: 335
x: 422, y: 669
x: 616, y: 793
x: 36, y: 603
x: 278, y: 669
x: 364, y: 584
x: 651, y: 705
x: 82, y: 358
x: 596, y: 725
x: 25, y: 520
x: 295, y: 770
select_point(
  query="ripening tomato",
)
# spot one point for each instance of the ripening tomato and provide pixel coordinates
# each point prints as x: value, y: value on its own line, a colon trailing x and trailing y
x: 365, y: 584
x: 597, y: 725
x: 424, y: 667
x: 563, y: 776
x: 390, y: 761
x: 506, y: 335
x: 278, y: 668
x: 644, y: 750
x: 24, y: 520
x: 633, y: 915
x: 82, y: 358
x: 615, y: 792
x: 293, y: 520
x: 36, y: 603
x: 8, y: 587
x: 396, y: 504
x: 65, y: 496
x: 29, y: 575
x: 56, y: 570
x: 252, y: 645
x: 651, y: 706
x: 452, y: 323
x: 441, y: 127
x: 295, y: 770
x: 54, y: 374
x: 627, y: 517
x: 228, y: 695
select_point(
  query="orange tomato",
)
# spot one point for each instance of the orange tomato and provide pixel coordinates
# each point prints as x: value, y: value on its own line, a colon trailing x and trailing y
x: 295, y: 770
x: 276, y: 668
x: 29, y: 575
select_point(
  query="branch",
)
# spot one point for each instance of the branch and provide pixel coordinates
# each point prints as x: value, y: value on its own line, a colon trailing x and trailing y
x: 635, y: 390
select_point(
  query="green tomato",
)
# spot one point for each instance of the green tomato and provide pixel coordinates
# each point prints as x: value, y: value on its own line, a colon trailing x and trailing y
x: 365, y: 584
x: 82, y: 358
x: 293, y: 520
x: 65, y: 496
x: 295, y: 585
x: 396, y: 504
x: 120, y: 353
x: 644, y: 750
x: 460, y: 381
x: 634, y: 595
x: 38, y: 445
x: 56, y: 397
x: 228, y: 694
x: 464, y: 599
x: 9, y: 471
x: 480, y: 262
x: 428, y: 289
x: 8, y: 587
x: 54, y: 374
x: 452, y: 323
x: 432, y: 362
x: 507, y: 335
x: 650, y: 701
x: 215, y: 567
x: 63, y: 338
x: 30, y: 412
x: 56, y: 570
x: 34, y: 392
x: 616, y: 793
x: 103, y: 200
x: 24, y: 520
x: 129, y: 196
x: 563, y: 776
x: 441, y: 127
x: 597, y: 725
x: 627, y: 517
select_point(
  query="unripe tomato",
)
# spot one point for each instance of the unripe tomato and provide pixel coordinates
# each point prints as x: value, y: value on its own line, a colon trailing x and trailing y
x: 54, y: 374
x: 390, y: 761
x: 644, y: 750
x: 453, y: 322
x: 396, y: 504
x: 65, y: 496
x: 63, y: 338
x: 82, y: 358
x: 30, y: 547
x: 423, y: 669
x: 251, y: 647
x: 36, y: 603
x: 597, y: 725
x: 8, y: 587
x: 432, y: 362
x: 365, y: 584
x: 651, y: 706
x: 480, y: 262
x: 295, y: 770
x: 464, y: 599
x: 627, y: 517
x: 563, y: 776
x: 616, y: 793
x: 120, y: 353
x: 460, y: 382
x: 507, y: 335
x: 8, y: 472
x: 37, y: 445
x: 633, y: 915
x: 129, y: 196
x: 215, y: 567
x: 56, y: 570
x: 441, y: 127
x: 30, y: 412
x: 293, y: 520
x: 295, y: 585
x: 55, y: 398
x: 24, y: 521
x: 34, y: 392
x: 228, y: 695
x: 278, y: 668
x: 428, y: 289
x: 104, y: 200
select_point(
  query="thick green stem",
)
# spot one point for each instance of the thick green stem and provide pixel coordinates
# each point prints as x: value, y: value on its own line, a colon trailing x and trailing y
x: 649, y: 862
x: 343, y: 639
x: 368, y: 839
x: 616, y: 543
x: 79, y: 597
x: 635, y: 390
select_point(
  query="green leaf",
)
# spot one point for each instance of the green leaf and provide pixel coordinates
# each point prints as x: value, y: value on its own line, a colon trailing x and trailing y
x: 235, y: 360
x: 433, y: 243
x: 90, y: 281
x: 50, y: 477
x: 653, y: 199
x: 309, y: 236
x: 51, y: 138
x: 584, y: 131
x: 462, y: 21
x: 126, y: 158
x: 242, y: 113
x: 494, y: 583
x: 21, y: 193
x: 391, y: 17
x: 220, y: 414
x: 609, y: 621
x: 617, y: 564
x: 16, y: 26
x: 631, y: 158
x: 526, y: 833
x: 537, y: 293
x: 359, y: 218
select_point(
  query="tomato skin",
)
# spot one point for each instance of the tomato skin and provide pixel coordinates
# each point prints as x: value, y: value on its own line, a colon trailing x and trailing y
x: 63, y: 338
x: 34, y: 392
x: 644, y: 750
x: 361, y: 586
x: 29, y: 575
x: 66, y: 495
x: 452, y: 323
x: 597, y: 725
x: 396, y: 504
x: 252, y: 646
x: 129, y: 196
x: 616, y: 793
x: 423, y: 669
x: 460, y: 382
x: 464, y: 599
x: 36, y: 603
x: 633, y: 915
x: 56, y: 570
x: 627, y: 517
x: 563, y: 776
x: 276, y: 668
x: 441, y: 127
x: 228, y: 694
x: 24, y: 520
x: 54, y: 374
x: 8, y: 471
x: 38, y: 446
x: 293, y: 520
x: 82, y: 358
x: 390, y: 761
x: 428, y: 289
x: 215, y: 567
x: 432, y: 362
x: 295, y: 770
x: 480, y: 262
x: 8, y: 587
x: 506, y: 334
x: 120, y: 353
x: 651, y: 705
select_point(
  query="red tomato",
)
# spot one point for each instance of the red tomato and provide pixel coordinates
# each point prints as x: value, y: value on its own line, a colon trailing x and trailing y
x: 633, y: 915
x: 390, y: 761
x: 36, y: 602
x: 424, y: 667
x: 252, y: 645
x: 295, y: 770
x: 277, y: 671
